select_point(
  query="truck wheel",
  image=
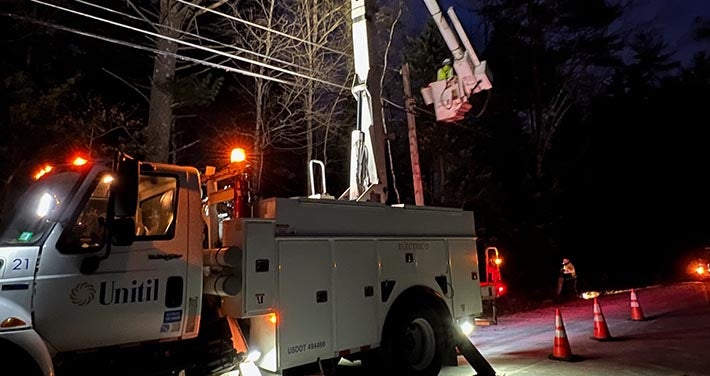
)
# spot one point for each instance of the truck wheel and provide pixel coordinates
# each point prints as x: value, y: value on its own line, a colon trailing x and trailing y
x: 24, y: 365
x: 414, y: 342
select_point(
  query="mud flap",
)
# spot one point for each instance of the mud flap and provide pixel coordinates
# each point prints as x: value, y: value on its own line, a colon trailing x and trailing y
x: 473, y: 356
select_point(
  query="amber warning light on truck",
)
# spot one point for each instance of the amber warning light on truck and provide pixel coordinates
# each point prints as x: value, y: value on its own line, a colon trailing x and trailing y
x: 43, y: 171
x: 237, y: 155
x: 77, y: 161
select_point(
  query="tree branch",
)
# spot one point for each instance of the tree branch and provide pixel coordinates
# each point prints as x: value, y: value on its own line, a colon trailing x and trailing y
x: 127, y: 84
x: 143, y: 16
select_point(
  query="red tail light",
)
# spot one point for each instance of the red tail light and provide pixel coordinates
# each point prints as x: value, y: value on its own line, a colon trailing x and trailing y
x: 501, y: 289
x: 700, y: 270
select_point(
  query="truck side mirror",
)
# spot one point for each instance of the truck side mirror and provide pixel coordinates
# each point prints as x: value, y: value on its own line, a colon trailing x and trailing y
x: 123, y: 204
x: 125, y: 190
x: 89, y: 265
x: 123, y: 231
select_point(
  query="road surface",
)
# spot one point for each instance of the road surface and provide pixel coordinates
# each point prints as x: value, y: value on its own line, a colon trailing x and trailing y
x: 673, y: 340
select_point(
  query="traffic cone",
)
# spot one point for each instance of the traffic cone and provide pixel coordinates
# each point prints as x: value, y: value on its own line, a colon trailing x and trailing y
x: 560, y: 346
x: 636, y: 312
x: 601, y: 330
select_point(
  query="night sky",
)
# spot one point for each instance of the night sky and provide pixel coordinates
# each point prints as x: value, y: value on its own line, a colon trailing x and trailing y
x: 673, y: 18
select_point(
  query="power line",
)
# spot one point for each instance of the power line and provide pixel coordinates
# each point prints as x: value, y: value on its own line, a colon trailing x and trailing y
x: 393, y: 104
x: 419, y: 110
x: 175, y: 40
x: 149, y: 49
x: 205, y: 9
x: 200, y: 37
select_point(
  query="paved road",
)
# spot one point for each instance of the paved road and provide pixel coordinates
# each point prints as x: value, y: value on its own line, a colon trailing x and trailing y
x: 674, y: 340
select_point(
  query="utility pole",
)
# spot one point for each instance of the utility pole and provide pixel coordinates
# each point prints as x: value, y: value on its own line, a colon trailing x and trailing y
x: 413, y: 148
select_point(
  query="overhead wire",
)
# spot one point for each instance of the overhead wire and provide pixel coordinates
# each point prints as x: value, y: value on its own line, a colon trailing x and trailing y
x: 252, y: 24
x: 419, y: 110
x: 149, y: 49
x: 211, y: 50
x: 196, y: 60
x: 178, y: 41
x: 175, y: 40
x: 200, y: 37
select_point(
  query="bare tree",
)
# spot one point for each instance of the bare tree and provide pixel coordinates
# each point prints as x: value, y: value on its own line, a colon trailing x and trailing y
x: 324, y: 23
x: 174, y: 18
x: 311, y: 39
x: 267, y: 48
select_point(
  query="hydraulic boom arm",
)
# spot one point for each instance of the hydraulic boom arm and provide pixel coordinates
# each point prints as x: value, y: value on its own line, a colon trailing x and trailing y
x: 368, y: 179
x: 367, y: 147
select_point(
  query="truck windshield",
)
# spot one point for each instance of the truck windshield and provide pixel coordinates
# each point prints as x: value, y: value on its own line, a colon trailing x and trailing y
x: 38, y: 209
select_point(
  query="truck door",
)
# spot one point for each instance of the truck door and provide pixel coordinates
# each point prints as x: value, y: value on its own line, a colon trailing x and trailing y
x: 138, y: 292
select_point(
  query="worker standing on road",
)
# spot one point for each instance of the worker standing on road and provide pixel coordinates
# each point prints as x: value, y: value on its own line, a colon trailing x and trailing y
x: 568, y: 276
x: 446, y: 72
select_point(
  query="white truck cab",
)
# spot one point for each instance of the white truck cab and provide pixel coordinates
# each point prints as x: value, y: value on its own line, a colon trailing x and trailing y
x: 139, y: 292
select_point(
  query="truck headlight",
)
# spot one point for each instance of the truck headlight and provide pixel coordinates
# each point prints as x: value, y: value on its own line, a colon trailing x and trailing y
x: 466, y: 327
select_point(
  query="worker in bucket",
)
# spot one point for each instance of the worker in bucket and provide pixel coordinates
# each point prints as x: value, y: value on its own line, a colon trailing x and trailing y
x: 446, y: 72
x: 567, y: 278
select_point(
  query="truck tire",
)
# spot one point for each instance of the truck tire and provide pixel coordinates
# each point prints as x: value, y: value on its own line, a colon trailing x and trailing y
x: 413, y: 344
x: 23, y: 363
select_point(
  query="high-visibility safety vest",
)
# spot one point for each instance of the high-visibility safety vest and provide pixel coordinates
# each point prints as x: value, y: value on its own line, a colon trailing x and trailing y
x: 444, y: 73
x: 568, y: 269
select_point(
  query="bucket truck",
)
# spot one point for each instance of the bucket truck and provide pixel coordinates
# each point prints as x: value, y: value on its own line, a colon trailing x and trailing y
x: 450, y: 97
x: 120, y: 266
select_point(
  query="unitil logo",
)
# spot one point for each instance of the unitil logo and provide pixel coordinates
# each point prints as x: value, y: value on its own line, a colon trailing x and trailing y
x: 82, y: 294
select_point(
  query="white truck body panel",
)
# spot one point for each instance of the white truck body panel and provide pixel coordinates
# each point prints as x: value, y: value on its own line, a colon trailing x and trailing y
x: 259, y: 279
x: 17, y: 267
x: 466, y: 296
x: 194, y: 271
x: 306, y: 217
x: 355, y: 276
x: 328, y: 286
x: 305, y: 301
